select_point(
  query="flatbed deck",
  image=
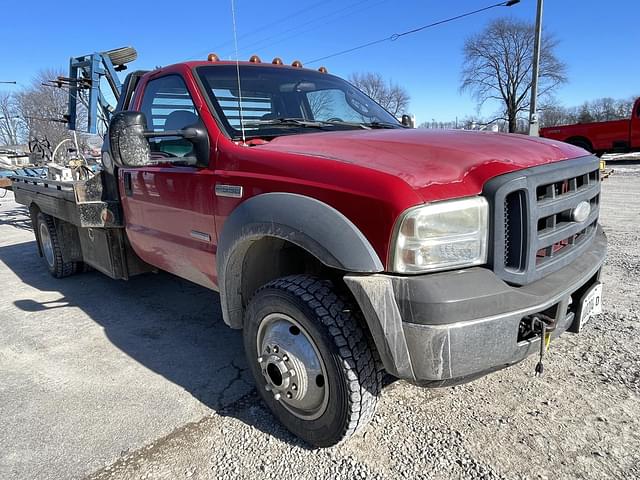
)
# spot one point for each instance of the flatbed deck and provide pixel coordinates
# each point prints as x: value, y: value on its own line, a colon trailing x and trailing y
x: 79, y: 202
x: 92, y: 227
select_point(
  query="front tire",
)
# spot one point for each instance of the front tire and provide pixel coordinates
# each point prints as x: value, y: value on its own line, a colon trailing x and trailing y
x: 311, y: 360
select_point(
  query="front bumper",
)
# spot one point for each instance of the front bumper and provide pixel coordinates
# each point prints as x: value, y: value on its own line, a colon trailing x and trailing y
x: 450, y: 327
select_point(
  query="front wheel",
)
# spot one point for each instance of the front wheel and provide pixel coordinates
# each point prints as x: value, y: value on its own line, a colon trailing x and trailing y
x: 311, y: 360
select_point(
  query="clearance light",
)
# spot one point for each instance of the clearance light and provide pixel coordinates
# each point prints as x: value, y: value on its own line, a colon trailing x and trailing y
x: 277, y: 61
x: 297, y: 64
x: 323, y: 70
x: 213, y: 57
x: 255, y: 59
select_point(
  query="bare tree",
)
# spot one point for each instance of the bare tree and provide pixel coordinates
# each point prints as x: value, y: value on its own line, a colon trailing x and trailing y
x: 391, y: 96
x: 43, y: 108
x: 9, y: 120
x: 321, y: 104
x: 498, y: 64
x: 552, y: 114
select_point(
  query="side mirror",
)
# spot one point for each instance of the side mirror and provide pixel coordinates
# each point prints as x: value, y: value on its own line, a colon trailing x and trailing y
x: 407, y: 121
x: 130, y: 148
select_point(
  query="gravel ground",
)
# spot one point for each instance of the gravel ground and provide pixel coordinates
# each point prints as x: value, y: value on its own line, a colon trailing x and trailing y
x: 580, y: 420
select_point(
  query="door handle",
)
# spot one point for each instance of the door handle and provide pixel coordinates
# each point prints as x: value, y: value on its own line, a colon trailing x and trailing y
x: 128, y: 186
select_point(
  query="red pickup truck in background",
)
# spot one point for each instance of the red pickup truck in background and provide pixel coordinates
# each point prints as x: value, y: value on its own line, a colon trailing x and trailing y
x: 620, y: 136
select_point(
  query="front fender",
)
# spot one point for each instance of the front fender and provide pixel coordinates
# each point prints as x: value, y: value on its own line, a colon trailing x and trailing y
x: 312, y: 225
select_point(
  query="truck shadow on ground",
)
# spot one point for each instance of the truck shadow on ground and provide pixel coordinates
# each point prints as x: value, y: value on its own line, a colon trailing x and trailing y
x: 169, y: 325
x: 16, y: 218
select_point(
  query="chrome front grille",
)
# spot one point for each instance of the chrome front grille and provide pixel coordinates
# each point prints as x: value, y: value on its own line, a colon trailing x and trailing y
x: 534, y: 230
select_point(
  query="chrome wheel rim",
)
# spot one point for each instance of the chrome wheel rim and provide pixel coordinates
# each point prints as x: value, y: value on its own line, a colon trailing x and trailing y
x: 47, y: 246
x: 292, y: 367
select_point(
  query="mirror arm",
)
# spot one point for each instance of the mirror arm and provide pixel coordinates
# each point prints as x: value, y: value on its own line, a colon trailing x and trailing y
x: 188, y: 133
x: 166, y: 133
x: 180, y: 161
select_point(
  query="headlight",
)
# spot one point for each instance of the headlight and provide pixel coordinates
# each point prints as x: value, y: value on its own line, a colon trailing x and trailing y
x: 442, y: 235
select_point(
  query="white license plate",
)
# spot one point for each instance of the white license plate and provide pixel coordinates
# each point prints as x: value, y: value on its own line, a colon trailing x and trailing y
x: 591, y: 305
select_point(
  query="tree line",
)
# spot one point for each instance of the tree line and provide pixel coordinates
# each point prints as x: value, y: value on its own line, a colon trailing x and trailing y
x: 600, y: 110
x: 35, y: 112
x: 551, y: 115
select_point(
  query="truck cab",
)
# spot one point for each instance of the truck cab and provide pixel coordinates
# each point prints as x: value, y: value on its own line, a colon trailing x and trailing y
x: 343, y: 244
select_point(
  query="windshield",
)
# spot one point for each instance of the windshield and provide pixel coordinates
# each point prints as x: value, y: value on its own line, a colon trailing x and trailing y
x: 281, y: 101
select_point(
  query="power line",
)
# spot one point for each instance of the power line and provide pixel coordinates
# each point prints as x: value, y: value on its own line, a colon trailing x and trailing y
x: 396, y: 36
x: 263, y: 28
x: 351, y: 9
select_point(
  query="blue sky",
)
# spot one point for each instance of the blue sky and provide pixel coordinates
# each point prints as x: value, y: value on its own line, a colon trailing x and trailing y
x: 599, y: 40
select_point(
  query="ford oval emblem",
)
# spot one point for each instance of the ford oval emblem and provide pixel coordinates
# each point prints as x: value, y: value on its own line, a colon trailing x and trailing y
x: 581, y: 212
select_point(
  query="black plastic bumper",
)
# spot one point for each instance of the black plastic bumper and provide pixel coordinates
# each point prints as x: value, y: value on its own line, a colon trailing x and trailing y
x: 450, y: 327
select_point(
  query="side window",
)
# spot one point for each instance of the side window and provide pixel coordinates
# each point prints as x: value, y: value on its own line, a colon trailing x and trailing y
x: 167, y: 105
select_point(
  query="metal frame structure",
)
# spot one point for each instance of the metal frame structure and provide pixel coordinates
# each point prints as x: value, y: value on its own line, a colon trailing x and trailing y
x: 86, y: 73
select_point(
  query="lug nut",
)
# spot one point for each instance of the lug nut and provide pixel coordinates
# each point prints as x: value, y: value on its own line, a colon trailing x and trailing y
x: 275, y: 349
x: 267, y: 388
x: 276, y: 397
x: 285, y: 357
x: 260, y: 359
x: 289, y: 395
x: 294, y: 387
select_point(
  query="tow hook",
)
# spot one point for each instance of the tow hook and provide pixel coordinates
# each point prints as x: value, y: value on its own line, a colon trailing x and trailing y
x: 545, y: 325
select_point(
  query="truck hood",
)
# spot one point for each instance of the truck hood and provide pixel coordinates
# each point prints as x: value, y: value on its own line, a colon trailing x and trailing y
x: 438, y: 164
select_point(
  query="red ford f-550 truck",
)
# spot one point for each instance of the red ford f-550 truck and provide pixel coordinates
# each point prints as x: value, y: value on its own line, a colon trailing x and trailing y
x: 342, y: 244
x: 601, y: 137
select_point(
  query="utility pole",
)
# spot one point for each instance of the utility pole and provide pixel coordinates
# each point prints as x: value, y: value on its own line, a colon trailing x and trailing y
x: 533, y: 114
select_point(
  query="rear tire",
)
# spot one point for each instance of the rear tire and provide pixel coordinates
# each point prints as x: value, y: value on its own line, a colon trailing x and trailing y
x: 50, y: 248
x: 300, y: 324
x: 584, y: 144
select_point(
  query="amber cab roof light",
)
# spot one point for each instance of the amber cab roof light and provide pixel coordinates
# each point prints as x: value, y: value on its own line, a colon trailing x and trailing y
x: 212, y: 57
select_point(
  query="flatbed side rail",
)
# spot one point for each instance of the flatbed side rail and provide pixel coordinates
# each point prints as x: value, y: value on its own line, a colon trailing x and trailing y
x: 43, y: 182
x: 68, y: 201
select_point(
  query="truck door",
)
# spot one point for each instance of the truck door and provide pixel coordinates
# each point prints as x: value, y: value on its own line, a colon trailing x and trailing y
x: 635, y: 126
x: 169, y: 209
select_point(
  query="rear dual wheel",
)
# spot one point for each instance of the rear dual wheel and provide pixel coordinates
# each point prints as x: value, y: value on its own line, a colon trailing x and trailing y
x: 311, y: 360
x: 50, y: 246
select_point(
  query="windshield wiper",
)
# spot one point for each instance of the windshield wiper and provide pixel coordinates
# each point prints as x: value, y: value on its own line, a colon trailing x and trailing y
x: 286, y: 122
x: 296, y: 122
x: 384, y: 125
x: 342, y: 123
